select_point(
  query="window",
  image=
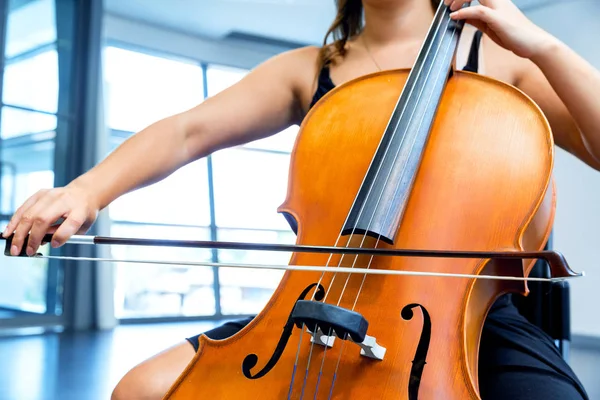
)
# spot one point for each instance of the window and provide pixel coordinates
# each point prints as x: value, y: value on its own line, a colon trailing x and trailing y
x: 27, y: 132
x: 32, y: 82
x: 248, y: 183
x: 31, y: 25
x: 154, y: 290
x: 142, y: 89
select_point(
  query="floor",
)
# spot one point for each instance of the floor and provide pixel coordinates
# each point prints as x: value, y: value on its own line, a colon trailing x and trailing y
x: 86, y: 366
x: 83, y: 365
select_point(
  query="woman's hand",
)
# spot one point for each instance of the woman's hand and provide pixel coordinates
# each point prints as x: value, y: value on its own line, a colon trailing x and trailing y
x: 38, y: 214
x: 502, y: 21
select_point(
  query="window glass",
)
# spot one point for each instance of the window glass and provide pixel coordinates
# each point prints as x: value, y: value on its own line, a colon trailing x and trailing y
x: 26, y: 168
x: 15, y: 122
x: 23, y: 282
x: 33, y: 82
x: 31, y: 24
x: 247, y: 290
x: 154, y: 290
x: 30, y: 80
x: 142, y: 89
x: 180, y: 199
x: 220, y: 77
x: 250, y: 183
x: 249, y: 187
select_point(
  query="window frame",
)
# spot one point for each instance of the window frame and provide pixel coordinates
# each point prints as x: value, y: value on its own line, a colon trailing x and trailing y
x: 123, y: 135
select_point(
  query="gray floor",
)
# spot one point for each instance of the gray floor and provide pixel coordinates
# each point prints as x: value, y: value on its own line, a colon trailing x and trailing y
x: 81, y: 366
x: 86, y: 366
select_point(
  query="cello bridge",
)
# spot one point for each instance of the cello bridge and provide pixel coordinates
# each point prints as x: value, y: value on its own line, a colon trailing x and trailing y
x: 368, y: 347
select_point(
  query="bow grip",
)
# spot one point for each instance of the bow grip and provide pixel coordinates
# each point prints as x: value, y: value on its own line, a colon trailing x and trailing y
x: 47, y: 238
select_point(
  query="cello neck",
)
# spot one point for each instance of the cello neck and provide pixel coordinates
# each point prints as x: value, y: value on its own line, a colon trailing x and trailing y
x: 378, y: 208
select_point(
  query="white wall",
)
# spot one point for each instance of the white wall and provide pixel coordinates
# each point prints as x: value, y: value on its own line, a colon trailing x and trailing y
x: 577, y: 227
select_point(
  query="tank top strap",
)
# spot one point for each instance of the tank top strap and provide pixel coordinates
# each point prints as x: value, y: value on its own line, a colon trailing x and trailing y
x: 324, y: 85
x: 473, y: 59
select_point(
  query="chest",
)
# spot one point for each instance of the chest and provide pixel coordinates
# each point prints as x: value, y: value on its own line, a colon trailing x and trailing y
x: 489, y: 60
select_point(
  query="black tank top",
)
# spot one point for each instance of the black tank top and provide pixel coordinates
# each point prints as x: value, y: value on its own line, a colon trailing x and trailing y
x: 325, y: 84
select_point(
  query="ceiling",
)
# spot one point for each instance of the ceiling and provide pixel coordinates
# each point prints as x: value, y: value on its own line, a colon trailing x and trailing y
x: 299, y: 22
x: 290, y: 23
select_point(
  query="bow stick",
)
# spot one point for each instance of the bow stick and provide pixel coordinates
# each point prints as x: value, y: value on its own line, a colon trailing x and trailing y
x: 559, y: 267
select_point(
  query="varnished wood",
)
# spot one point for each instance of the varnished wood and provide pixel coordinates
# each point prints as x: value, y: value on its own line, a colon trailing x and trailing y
x: 484, y: 183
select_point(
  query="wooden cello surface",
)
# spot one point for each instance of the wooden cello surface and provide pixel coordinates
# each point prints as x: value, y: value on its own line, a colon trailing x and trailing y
x: 484, y: 182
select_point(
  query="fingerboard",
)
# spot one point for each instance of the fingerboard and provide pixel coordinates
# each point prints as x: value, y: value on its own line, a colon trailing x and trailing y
x: 382, y: 198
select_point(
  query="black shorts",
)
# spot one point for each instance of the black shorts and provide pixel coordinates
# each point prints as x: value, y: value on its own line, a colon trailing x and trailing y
x: 517, y: 359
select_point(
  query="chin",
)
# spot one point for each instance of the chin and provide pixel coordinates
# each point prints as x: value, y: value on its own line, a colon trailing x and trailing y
x: 392, y: 3
x: 384, y: 2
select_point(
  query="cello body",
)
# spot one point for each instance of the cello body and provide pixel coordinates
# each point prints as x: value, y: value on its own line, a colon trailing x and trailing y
x: 484, y: 182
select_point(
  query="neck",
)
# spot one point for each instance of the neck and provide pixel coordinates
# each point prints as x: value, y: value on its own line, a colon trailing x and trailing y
x: 387, y: 22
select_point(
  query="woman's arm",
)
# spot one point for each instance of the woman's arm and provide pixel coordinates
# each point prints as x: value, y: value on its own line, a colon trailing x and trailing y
x: 561, y: 82
x: 261, y: 104
x: 264, y: 102
x: 567, y: 89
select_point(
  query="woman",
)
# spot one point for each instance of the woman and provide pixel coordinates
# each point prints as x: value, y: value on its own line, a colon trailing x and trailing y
x: 516, y: 358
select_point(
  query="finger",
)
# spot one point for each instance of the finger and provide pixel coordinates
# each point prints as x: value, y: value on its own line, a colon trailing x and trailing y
x: 72, y: 224
x: 16, y: 218
x: 53, y: 228
x: 29, y: 218
x: 476, y: 13
x: 456, y: 4
x: 45, y: 218
x: 480, y: 26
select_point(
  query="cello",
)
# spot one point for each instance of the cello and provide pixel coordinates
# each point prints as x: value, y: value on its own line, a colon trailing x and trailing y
x: 430, y: 158
x: 453, y: 165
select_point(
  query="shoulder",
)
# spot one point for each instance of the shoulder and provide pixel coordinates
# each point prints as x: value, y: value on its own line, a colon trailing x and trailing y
x: 526, y: 76
x: 502, y: 64
x: 298, y: 69
x: 300, y: 57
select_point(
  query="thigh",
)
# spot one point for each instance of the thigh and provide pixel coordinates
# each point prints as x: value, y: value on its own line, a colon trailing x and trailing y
x: 153, y: 378
x: 520, y: 361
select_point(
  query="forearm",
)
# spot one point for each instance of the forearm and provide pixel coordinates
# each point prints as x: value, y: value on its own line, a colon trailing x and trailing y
x: 577, y: 83
x: 143, y: 159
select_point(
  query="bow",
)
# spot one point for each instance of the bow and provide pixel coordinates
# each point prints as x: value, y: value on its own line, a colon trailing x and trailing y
x: 559, y: 267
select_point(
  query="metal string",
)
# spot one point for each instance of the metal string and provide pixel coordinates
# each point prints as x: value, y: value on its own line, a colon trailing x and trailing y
x: 398, y: 122
x: 443, y: 25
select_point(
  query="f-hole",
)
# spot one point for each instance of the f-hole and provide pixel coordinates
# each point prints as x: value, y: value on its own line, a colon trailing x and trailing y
x: 251, y: 360
x: 419, y: 361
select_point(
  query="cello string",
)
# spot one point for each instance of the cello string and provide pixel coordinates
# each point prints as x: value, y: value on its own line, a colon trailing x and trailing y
x: 336, y: 270
x: 439, y: 28
x: 385, y: 154
x: 436, y: 30
x: 397, y: 153
x: 446, y: 53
